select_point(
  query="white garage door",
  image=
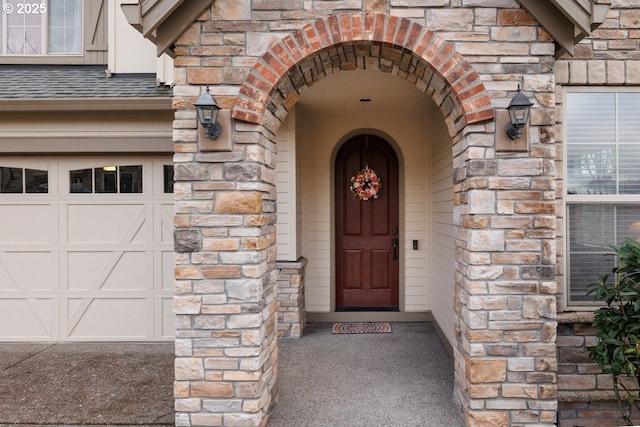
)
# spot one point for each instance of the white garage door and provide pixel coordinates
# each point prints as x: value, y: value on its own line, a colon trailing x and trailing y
x: 86, y: 248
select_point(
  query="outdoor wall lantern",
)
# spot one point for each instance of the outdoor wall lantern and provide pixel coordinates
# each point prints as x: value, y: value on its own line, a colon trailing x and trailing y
x: 519, y: 109
x: 208, y: 110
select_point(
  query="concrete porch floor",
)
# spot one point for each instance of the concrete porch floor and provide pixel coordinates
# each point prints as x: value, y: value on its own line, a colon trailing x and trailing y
x: 400, y: 379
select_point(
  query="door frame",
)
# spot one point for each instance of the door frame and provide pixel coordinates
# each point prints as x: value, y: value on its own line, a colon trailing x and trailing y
x: 334, y: 154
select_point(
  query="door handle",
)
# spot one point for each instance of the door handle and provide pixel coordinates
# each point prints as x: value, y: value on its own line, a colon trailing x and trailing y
x: 395, y: 242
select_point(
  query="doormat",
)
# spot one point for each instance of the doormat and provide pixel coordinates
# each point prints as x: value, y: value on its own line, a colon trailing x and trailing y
x: 361, y: 328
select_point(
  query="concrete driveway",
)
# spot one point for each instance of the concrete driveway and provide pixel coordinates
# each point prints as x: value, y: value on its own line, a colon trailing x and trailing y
x: 86, y: 383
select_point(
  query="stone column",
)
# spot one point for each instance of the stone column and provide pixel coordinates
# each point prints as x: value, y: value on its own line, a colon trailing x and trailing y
x: 506, y: 363
x: 226, y: 357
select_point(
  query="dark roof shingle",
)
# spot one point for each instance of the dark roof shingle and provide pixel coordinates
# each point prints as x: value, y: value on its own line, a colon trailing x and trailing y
x: 47, y: 82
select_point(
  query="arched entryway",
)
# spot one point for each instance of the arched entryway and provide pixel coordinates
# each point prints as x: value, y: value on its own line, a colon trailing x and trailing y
x: 366, y: 41
x: 247, y: 208
x: 367, y: 225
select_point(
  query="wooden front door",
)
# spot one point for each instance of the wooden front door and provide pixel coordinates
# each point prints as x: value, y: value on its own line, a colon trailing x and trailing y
x: 367, y: 231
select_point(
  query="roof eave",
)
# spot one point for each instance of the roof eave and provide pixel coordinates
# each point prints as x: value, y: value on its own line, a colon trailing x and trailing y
x: 86, y: 104
x: 165, y: 21
x: 567, y: 21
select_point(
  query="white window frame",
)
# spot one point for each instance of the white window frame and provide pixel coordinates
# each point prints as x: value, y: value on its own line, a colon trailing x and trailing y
x: 578, y: 199
x: 44, y: 33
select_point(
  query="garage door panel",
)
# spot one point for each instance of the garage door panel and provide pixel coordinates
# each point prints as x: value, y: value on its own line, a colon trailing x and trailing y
x: 106, y: 224
x: 167, y: 271
x: 168, y: 318
x: 166, y: 215
x: 26, y: 318
x: 95, y: 271
x: 108, y: 318
x: 90, y: 265
x: 26, y: 224
x: 86, y: 270
x: 129, y: 273
x: 28, y: 271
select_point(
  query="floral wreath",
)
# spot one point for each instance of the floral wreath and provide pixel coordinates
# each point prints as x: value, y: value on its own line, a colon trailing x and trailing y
x: 365, y: 184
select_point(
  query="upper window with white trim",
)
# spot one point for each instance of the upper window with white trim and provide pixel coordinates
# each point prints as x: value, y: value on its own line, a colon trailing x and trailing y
x: 41, y: 27
x: 602, y: 182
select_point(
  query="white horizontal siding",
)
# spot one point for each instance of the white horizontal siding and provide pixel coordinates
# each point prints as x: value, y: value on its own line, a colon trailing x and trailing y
x: 299, y: 188
x: 415, y: 204
x: 286, y: 224
x: 443, y: 230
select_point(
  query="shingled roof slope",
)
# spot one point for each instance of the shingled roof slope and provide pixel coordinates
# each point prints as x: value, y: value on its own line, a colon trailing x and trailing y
x: 78, y: 82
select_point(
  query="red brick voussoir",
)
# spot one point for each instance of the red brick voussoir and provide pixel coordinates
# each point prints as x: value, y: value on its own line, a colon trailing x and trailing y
x: 468, y: 94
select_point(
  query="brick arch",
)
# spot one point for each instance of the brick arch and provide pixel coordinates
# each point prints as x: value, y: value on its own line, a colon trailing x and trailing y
x: 350, y: 41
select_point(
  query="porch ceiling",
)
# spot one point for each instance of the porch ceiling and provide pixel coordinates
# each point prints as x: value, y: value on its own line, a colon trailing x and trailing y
x: 567, y: 21
x: 346, y: 92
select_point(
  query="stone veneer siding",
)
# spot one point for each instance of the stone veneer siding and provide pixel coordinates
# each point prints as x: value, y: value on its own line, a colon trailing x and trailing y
x: 292, y: 316
x: 608, y: 58
x: 469, y: 57
x: 585, y: 395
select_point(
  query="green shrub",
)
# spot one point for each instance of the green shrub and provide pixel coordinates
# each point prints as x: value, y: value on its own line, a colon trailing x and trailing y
x: 617, y: 351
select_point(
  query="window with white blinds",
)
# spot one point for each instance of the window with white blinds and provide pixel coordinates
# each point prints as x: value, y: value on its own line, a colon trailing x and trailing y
x: 602, y: 183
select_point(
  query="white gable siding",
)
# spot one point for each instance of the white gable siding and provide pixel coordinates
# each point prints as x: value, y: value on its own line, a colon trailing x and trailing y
x: 130, y: 52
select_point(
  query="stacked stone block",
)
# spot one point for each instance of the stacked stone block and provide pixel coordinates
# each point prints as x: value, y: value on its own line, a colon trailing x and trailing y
x: 585, y: 395
x: 507, y: 299
x: 292, y: 316
x: 506, y: 359
x: 469, y: 57
x: 225, y: 303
